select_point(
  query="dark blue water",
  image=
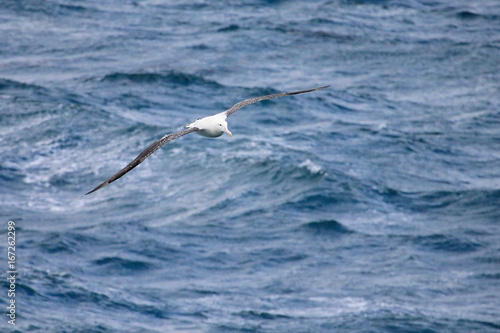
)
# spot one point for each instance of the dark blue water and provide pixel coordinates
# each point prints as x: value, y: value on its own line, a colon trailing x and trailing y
x: 371, y: 206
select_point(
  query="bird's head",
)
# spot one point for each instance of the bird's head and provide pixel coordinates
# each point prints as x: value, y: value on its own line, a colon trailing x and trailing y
x: 223, y: 127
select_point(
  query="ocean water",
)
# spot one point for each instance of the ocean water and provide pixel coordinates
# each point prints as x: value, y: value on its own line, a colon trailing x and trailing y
x: 370, y: 206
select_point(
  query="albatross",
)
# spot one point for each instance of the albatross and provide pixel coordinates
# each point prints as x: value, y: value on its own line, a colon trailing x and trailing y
x: 211, y: 126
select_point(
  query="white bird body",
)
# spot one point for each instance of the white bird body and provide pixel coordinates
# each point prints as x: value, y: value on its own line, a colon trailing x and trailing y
x: 211, y: 126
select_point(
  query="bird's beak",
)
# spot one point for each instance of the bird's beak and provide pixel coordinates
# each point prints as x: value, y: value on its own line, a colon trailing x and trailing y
x: 227, y: 131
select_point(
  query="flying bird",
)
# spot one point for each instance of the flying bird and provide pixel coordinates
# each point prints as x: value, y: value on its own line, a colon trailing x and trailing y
x: 211, y: 126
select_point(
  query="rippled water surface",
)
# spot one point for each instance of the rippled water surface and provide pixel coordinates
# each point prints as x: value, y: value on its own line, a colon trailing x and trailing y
x: 371, y: 206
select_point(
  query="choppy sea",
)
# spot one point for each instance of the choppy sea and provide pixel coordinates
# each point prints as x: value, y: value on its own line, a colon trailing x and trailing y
x: 370, y: 206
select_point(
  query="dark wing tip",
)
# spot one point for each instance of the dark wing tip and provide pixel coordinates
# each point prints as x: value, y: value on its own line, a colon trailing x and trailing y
x: 98, y: 187
x: 249, y: 101
x: 309, y: 90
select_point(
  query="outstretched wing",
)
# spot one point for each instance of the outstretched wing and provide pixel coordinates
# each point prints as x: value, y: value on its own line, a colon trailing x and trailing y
x: 145, y: 154
x: 249, y: 101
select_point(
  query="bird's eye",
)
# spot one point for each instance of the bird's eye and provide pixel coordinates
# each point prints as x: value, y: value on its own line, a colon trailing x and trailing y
x: 220, y: 124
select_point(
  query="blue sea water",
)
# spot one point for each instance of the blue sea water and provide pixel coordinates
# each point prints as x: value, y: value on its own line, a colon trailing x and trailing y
x: 371, y: 206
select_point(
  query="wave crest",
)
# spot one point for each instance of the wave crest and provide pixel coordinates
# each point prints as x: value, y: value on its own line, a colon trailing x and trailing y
x: 327, y: 227
x: 150, y: 77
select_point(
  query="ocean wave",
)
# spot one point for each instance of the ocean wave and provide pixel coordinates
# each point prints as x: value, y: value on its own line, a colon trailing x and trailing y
x: 318, y: 199
x: 69, y: 242
x: 313, y: 168
x: 275, y: 256
x: 6, y: 84
x: 329, y: 227
x: 49, y: 8
x: 479, y: 202
x: 469, y: 15
x: 172, y: 77
x: 229, y: 28
x: 22, y: 287
x: 447, y: 243
x: 118, y: 265
x: 10, y: 175
x: 253, y: 314
x: 71, y: 294
x: 151, y: 248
